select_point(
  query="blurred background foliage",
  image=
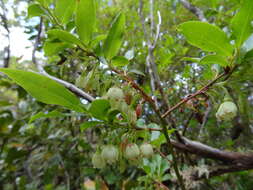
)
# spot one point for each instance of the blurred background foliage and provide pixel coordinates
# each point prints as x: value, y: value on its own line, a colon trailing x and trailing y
x: 52, y: 150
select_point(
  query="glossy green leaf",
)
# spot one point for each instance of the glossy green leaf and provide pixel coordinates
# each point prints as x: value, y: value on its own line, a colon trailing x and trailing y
x: 35, y: 10
x: 52, y: 48
x: 99, y: 109
x: 115, y: 36
x: 97, y: 39
x: 241, y: 23
x: 119, y: 61
x: 44, y: 89
x: 64, y: 10
x: 64, y: 36
x: 214, y: 59
x: 85, y: 19
x: 207, y: 37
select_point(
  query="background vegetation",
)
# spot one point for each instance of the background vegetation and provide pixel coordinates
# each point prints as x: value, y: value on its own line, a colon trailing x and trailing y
x: 174, y: 60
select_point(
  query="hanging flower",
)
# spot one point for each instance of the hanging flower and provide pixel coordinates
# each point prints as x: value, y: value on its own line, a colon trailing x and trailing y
x: 227, y: 111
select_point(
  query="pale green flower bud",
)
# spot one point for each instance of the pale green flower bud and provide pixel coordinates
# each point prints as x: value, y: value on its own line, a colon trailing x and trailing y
x: 115, y: 93
x: 132, y: 117
x: 227, y: 111
x: 146, y: 150
x: 98, y: 161
x: 132, y: 151
x: 110, y: 154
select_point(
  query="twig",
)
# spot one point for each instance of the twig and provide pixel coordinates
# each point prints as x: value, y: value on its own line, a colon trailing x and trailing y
x: 41, y: 70
x: 157, y: 29
x: 37, y: 41
x: 205, y: 118
x: 201, y: 91
x: 150, y: 57
x: 186, y: 124
x: 7, y: 49
x: 136, y: 86
x: 142, y: 19
x: 163, y: 155
x: 77, y: 91
x: 195, y: 10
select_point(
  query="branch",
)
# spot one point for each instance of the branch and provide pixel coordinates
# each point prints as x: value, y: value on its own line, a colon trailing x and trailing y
x: 205, y: 119
x: 235, y: 161
x: 142, y: 19
x: 232, y: 158
x: 37, y: 41
x: 7, y: 49
x: 201, y: 91
x: 157, y: 29
x: 136, y: 87
x: 77, y: 91
x: 195, y: 10
x: 150, y: 49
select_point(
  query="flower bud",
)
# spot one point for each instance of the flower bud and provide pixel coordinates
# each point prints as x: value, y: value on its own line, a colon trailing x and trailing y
x: 146, y: 150
x: 115, y: 93
x: 98, y: 161
x: 132, y: 151
x: 227, y: 111
x: 110, y: 154
x: 132, y: 117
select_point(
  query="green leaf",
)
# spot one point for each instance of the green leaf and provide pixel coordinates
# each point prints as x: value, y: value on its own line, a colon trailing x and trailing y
x: 119, y: 61
x: 241, y: 23
x: 64, y: 36
x: 89, y: 124
x: 85, y: 19
x: 135, y: 71
x: 52, y: 48
x: 115, y: 36
x: 99, y: 109
x: 45, y: 115
x: 44, y: 89
x: 97, y: 39
x: 64, y: 10
x: 35, y: 10
x: 214, y: 59
x: 207, y: 37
